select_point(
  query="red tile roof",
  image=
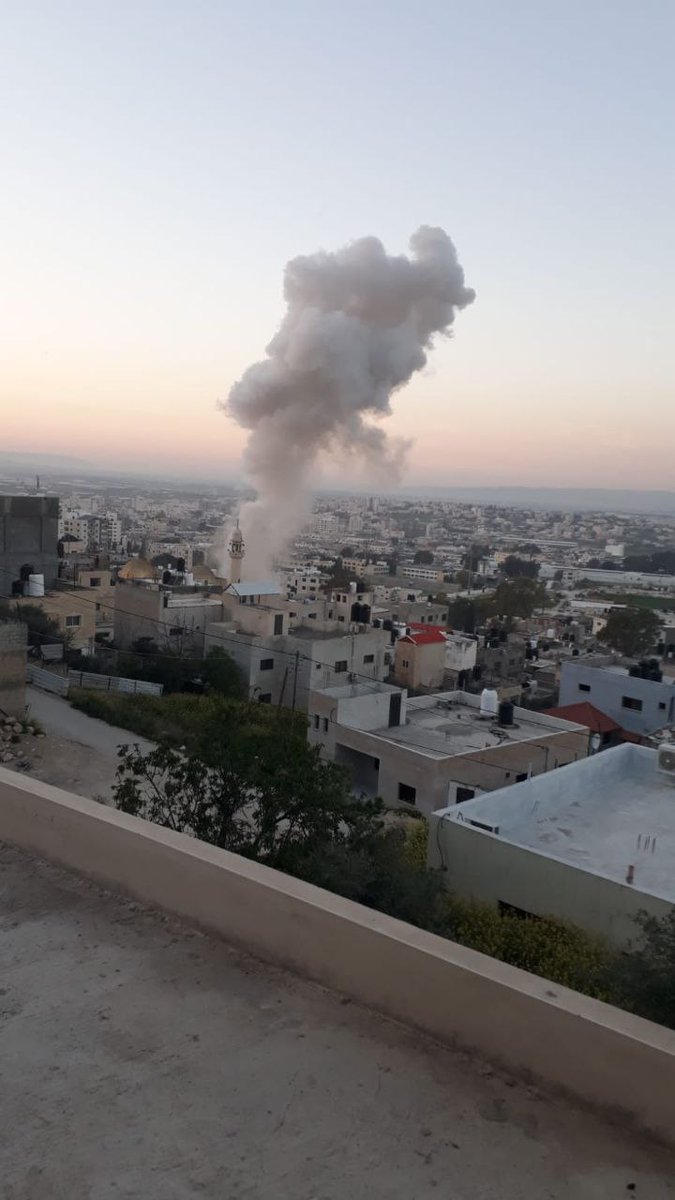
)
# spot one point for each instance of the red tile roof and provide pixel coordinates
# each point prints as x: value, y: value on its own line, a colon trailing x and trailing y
x: 428, y: 636
x: 585, y: 714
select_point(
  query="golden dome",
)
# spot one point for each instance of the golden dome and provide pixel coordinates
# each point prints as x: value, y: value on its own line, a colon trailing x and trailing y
x: 137, y: 568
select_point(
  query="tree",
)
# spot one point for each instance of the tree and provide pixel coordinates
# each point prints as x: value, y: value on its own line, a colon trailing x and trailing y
x: 467, y: 613
x: 258, y: 794
x: 519, y: 597
x: 519, y: 568
x: 42, y: 630
x: 631, y: 631
x: 474, y: 554
x: 220, y: 673
x: 643, y: 978
x: 424, y: 556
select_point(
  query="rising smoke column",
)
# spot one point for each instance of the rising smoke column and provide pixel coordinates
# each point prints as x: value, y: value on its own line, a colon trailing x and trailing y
x: 357, y: 326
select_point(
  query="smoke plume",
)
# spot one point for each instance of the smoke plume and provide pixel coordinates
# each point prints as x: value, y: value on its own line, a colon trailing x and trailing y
x: 357, y: 326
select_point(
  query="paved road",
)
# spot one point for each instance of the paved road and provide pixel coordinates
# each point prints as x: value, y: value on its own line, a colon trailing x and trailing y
x: 58, y: 718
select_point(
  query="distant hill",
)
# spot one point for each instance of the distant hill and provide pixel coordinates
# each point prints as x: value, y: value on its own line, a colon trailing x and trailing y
x: 655, y: 503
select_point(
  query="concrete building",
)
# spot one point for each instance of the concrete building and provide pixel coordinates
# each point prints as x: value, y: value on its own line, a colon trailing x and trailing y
x: 74, y: 613
x: 174, y: 617
x: 28, y: 541
x: 431, y: 751
x: 282, y: 668
x: 593, y: 844
x: 460, y: 658
x: 419, y: 659
x: 427, y: 574
x: 13, y: 656
x: 639, y: 705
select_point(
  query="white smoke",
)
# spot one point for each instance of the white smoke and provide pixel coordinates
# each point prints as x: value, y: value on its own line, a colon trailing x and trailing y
x: 357, y: 326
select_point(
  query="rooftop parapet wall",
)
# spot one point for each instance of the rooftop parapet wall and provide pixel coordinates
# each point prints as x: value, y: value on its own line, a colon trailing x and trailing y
x: 603, y: 1056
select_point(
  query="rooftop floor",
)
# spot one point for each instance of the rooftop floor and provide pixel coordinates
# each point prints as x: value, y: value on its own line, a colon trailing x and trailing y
x: 144, y: 1059
x: 452, y: 726
x: 600, y: 815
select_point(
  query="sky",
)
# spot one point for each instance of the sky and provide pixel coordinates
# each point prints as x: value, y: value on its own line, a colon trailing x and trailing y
x: 163, y: 160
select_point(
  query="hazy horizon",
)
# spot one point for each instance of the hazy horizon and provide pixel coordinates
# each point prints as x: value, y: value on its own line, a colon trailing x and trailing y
x: 164, y: 162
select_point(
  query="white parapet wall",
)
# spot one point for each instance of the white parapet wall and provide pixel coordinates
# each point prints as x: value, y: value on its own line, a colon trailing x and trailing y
x: 527, y: 1025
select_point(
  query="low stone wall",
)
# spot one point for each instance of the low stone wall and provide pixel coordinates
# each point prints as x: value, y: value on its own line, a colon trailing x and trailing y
x: 12, y: 667
x: 526, y: 1024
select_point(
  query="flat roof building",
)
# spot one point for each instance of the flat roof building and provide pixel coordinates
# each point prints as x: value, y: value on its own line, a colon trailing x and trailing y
x: 593, y: 843
x: 639, y: 705
x: 429, y: 751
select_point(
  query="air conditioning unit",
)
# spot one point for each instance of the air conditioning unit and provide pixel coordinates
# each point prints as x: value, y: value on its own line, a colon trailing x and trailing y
x: 666, y: 759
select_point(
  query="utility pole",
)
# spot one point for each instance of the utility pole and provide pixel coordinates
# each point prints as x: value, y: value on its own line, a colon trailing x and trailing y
x: 295, y: 679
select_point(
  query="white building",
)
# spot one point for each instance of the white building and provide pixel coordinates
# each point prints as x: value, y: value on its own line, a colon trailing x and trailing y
x: 428, y: 574
x: 431, y: 751
x: 639, y: 705
x: 593, y: 843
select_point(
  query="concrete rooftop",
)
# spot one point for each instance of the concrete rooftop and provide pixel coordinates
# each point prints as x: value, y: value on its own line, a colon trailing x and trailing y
x: 599, y: 814
x: 144, y: 1059
x: 449, y: 724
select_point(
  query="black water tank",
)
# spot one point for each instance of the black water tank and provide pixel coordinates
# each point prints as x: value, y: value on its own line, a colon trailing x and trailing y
x: 506, y: 713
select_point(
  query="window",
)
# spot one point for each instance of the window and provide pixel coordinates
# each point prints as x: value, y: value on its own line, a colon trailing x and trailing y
x: 95, y: 581
x: 311, y: 616
x: 316, y: 720
x: 584, y: 687
x: 325, y: 724
x: 405, y: 663
x: 175, y: 630
x: 266, y: 664
x: 279, y: 623
x: 632, y: 703
x: 369, y: 658
x: 73, y: 621
x: 341, y: 665
x: 464, y: 794
x: 406, y: 793
x: 512, y: 910
x: 340, y: 618
x: 521, y: 776
x: 662, y: 705
x: 265, y: 698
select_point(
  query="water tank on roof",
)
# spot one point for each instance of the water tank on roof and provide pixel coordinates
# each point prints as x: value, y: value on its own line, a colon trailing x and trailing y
x: 35, y: 585
x: 506, y: 711
x: 489, y: 702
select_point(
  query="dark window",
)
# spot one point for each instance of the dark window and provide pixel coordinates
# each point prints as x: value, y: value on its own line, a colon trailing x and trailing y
x: 325, y: 724
x: 376, y: 764
x: 407, y: 793
x: 463, y: 794
x: 265, y: 698
x: 662, y: 705
x: 341, y: 665
x: 632, y: 703
x: 340, y: 618
x: 72, y: 622
x: 512, y: 910
x: 368, y: 658
x: 266, y: 664
x: 394, y: 709
x: 584, y: 687
x: 279, y: 623
x: 316, y: 721
x: 521, y: 776
x: 311, y: 616
x: 95, y: 581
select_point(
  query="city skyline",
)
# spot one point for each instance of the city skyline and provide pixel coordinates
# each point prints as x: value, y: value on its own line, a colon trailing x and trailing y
x: 158, y: 181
